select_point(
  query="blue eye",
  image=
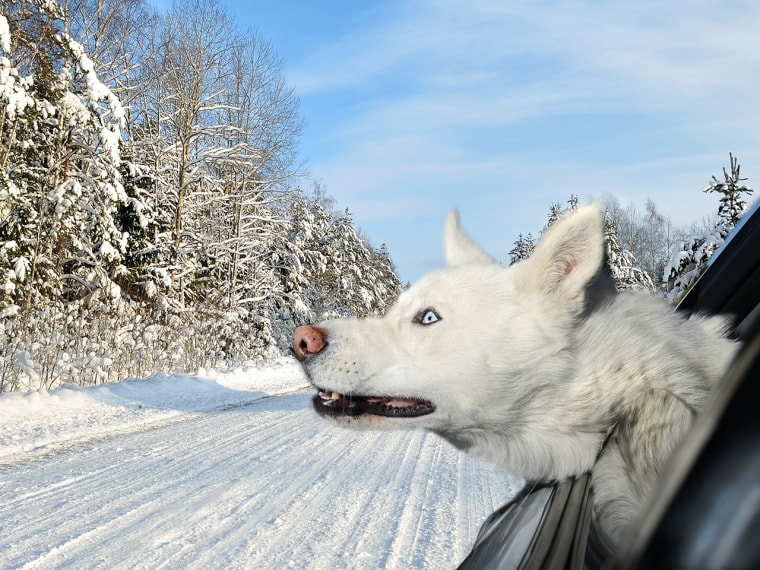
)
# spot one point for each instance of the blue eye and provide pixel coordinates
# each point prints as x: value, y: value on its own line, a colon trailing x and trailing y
x: 427, y: 317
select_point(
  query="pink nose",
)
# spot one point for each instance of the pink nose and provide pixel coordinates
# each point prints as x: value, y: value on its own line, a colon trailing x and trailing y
x: 308, y: 340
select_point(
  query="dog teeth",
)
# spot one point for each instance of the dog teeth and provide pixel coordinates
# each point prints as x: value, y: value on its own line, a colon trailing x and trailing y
x: 330, y: 396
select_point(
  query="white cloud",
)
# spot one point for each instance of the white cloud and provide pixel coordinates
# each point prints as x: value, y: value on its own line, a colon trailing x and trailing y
x: 643, y: 52
x: 428, y: 104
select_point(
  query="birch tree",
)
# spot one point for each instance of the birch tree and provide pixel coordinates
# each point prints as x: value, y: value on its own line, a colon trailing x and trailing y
x: 255, y: 158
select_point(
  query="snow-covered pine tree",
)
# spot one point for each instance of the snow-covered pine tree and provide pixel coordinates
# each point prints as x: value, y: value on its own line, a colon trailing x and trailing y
x: 689, y: 261
x: 62, y: 245
x: 61, y: 129
x: 624, y: 269
x: 341, y: 274
x: 113, y: 33
x: 523, y: 248
x: 90, y: 184
x: 27, y: 132
x: 731, y: 205
x: 138, y: 218
x: 368, y: 284
x: 348, y: 268
x: 386, y: 284
x: 556, y: 211
x: 308, y: 250
x: 325, y: 270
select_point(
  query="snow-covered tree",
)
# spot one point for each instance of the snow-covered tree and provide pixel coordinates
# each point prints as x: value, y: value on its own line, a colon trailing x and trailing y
x: 355, y: 279
x: 340, y: 274
x: 556, y: 210
x: 523, y: 248
x: 689, y: 261
x: 140, y: 221
x: 648, y: 236
x: 658, y: 241
x: 386, y: 284
x: 219, y: 126
x: 623, y: 266
x: 309, y: 248
x: 61, y: 128
x: 114, y: 34
x: 255, y: 154
x: 732, y: 203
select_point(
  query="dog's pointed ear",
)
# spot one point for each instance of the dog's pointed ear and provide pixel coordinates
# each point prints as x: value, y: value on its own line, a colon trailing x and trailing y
x: 569, y: 255
x: 459, y: 248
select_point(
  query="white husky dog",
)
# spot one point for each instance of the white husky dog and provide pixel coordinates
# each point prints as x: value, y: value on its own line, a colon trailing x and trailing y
x: 528, y: 366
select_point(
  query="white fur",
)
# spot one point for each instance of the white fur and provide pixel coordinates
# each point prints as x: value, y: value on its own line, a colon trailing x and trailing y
x: 525, y: 372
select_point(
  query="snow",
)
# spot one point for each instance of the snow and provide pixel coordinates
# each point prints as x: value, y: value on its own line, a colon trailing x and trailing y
x: 227, y: 470
x: 5, y: 34
x: 13, y: 88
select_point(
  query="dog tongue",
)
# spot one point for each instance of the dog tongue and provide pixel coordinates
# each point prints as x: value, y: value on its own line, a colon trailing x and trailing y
x: 394, y: 402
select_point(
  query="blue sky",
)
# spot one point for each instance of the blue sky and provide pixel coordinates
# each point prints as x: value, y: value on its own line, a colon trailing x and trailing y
x: 500, y: 108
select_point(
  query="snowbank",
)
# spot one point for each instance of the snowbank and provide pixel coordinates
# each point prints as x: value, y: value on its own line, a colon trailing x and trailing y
x: 41, y: 419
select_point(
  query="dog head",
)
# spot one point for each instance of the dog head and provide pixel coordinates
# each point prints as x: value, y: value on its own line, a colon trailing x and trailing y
x: 466, y: 345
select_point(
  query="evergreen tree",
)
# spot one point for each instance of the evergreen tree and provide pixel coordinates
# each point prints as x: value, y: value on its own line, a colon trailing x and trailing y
x: 623, y: 267
x: 60, y: 128
x: 387, y: 285
x: 139, y: 220
x: 325, y: 270
x: 690, y: 260
x: 731, y: 205
x: 556, y: 211
x: 523, y: 248
x: 310, y: 248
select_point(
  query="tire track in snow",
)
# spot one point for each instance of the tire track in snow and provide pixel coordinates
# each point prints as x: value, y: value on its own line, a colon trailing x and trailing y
x: 428, y: 518
x: 153, y: 470
x: 265, y: 486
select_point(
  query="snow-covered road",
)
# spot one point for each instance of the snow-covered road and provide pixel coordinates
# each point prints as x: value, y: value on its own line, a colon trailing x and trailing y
x: 228, y: 472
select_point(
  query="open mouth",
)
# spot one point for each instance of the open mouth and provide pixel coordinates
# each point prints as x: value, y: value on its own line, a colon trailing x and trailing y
x: 335, y: 404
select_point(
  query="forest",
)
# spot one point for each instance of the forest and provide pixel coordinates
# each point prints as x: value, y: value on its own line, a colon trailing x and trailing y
x: 645, y: 250
x: 154, y: 215
x: 151, y: 214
